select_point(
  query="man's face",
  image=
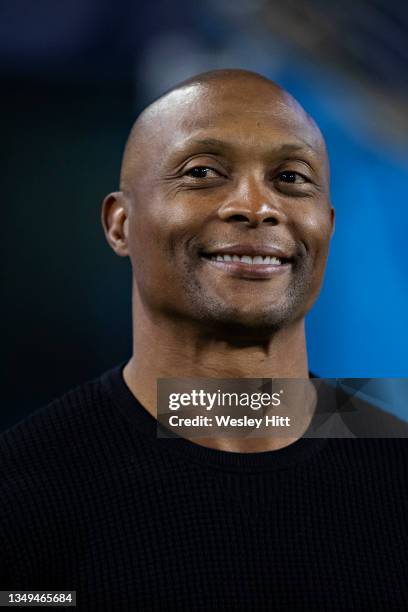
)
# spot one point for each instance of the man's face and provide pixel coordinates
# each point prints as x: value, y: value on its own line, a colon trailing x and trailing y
x: 229, y: 219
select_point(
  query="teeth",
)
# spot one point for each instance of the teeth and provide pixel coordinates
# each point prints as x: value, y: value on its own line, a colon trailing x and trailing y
x: 247, y: 259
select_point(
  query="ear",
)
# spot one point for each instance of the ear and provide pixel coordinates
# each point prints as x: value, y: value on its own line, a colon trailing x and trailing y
x: 115, y: 222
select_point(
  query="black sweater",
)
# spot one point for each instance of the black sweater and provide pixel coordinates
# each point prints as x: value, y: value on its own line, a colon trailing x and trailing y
x: 91, y: 500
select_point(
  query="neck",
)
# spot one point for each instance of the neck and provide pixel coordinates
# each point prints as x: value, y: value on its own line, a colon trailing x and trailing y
x: 168, y: 348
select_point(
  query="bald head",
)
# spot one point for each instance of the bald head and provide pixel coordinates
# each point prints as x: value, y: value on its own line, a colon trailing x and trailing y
x: 193, y: 104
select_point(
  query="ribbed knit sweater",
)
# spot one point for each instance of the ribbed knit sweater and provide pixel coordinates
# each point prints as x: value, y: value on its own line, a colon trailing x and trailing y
x: 91, y: 500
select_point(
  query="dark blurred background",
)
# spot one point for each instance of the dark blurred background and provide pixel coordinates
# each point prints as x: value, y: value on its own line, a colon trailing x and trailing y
x: 75, y: 75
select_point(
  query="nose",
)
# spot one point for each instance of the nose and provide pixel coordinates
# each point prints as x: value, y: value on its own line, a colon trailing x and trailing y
x: 252, y: 205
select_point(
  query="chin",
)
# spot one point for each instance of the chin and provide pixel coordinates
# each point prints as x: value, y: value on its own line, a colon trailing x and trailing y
x: 249, y: 321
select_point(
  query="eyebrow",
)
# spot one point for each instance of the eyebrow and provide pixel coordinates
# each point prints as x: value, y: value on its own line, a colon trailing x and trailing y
x: 283, y: 149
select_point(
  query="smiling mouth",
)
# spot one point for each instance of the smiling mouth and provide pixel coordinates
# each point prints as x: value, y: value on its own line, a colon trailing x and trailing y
x: 265, y: 260
x: 248, y: 266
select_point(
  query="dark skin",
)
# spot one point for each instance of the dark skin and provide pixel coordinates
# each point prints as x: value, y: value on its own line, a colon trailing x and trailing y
x: 223, y: 163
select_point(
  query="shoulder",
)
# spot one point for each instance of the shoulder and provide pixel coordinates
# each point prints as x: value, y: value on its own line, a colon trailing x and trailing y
x: 50, y: 421
x: 354, y: 415
x: 61, y: 432
x: 368, y: 421
x: 362, y: 437
x: 52, y: 459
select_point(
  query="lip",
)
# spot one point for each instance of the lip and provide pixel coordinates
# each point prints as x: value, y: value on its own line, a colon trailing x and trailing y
x: 250, y: 249
x: 249, y: 271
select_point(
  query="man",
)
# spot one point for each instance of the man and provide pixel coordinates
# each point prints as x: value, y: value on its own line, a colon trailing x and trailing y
x: 225, y: 214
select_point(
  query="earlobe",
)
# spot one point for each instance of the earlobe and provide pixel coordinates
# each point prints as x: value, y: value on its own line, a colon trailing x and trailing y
x: 114, y: 219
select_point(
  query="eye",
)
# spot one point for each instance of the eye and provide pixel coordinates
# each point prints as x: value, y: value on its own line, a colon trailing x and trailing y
x: 290, y: 176
x: 202, y: 172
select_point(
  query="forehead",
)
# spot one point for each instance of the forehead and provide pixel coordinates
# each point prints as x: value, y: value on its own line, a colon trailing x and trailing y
x: 248, y: 114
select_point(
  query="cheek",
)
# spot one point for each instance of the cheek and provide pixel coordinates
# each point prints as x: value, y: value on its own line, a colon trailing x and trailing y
x: 149, y: 231
x: 172, y: 224
x: 167, y: 215
x: 144, y: 247
x: 316, y: 228
x: 158, y: 237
